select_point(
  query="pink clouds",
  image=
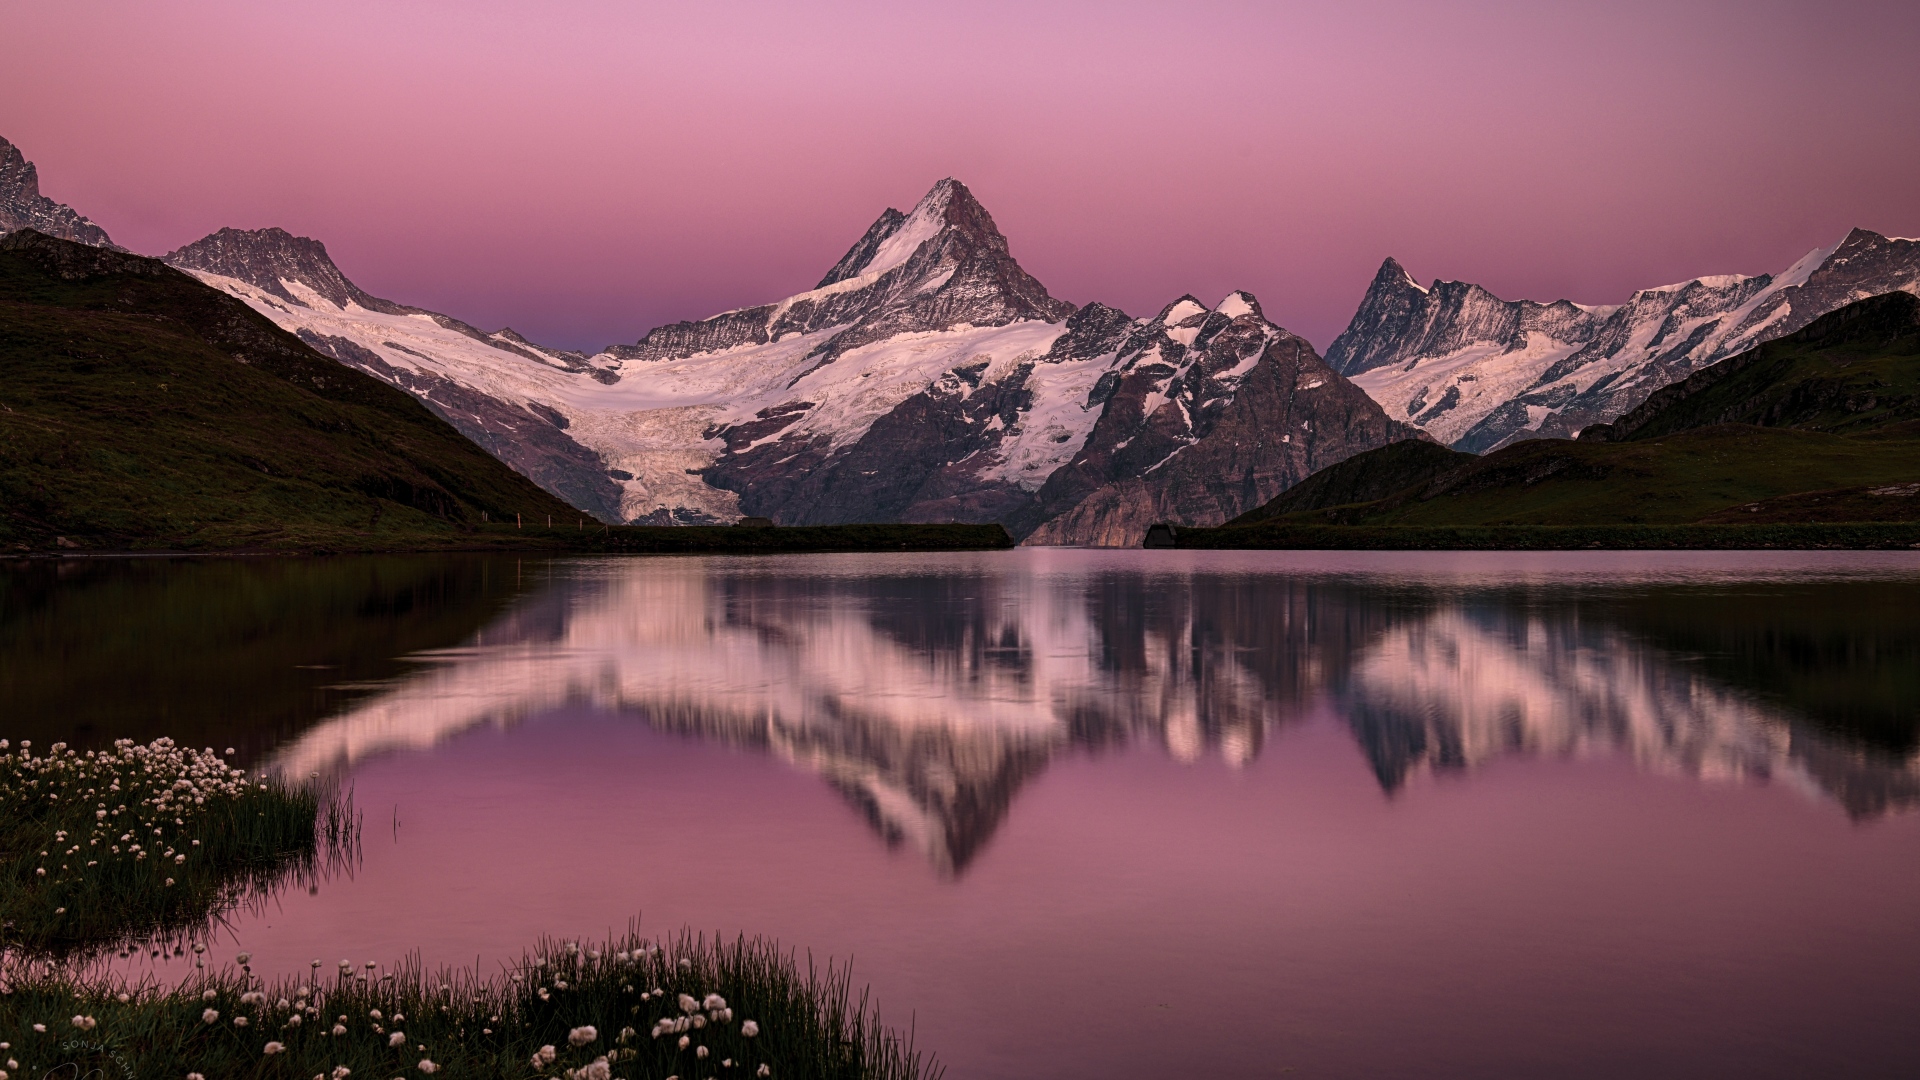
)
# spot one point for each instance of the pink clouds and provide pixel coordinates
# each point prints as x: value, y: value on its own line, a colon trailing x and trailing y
x: 585, y: 171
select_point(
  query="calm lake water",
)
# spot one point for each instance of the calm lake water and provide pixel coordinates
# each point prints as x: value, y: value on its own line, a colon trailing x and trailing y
x: 1096, y: 813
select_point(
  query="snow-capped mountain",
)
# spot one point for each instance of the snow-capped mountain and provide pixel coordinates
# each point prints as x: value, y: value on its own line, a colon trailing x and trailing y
x: 1205, y: 414
x: 927, y: 377
x: 491, y: 387
x: 1477, y: 372
x: 23, y: 207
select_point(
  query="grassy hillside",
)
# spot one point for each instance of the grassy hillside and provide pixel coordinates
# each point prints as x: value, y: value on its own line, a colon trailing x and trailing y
x: 1818, y: 428
x: 1851, y: 371
x: 140, y: 409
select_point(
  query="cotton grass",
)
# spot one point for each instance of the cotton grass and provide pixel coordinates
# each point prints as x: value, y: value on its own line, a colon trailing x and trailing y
x: 116, y: 849
x: 689, y: 1007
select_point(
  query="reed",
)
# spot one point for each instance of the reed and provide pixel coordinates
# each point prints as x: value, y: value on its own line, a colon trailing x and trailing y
x: 124, y: 849
x: 626, y: 1008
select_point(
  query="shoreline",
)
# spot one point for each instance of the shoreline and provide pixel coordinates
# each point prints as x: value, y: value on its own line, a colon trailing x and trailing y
x: 1864, y: 536
x: 606, y: 540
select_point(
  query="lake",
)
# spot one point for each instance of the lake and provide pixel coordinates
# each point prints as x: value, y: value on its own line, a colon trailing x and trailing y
x: 1080, y: 813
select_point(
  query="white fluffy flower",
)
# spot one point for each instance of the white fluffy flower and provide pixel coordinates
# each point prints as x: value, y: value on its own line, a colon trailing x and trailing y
x: 581, y: 1036
x: 685, y: 1040
x: 687, y: 1003
x: 210, y: 1016
x: 84, y: 1023
x: 700, y: 1051
x: 398, y: 1038
x: 427, y: 1066
x: 763, y: 1071
x: 339, y: 1029
x: 274, y: 1048
x: 714, y: 1001
x: 749, y: 1029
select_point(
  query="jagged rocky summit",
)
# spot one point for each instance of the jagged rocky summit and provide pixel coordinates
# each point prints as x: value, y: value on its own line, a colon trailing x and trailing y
x: 23, y: 207
x: 1477, y: 372
x: 927, y: 377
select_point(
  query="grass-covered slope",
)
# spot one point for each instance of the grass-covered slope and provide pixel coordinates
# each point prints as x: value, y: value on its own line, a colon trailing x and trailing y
x: 1818, y: 428
x: 140, y: 409
x: 1363, y: 478
x: 1850, y: 371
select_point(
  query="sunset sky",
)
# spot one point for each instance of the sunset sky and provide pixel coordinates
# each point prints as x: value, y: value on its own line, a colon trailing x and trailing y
x: 584, y: 171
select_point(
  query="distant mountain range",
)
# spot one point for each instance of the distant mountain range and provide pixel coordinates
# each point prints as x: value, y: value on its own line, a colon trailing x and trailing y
x: 1478, y: 373
x: 1822, y: 425
x: 928, y: 377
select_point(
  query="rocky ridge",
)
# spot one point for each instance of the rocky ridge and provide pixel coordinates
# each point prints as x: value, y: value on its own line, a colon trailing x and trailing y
x: 23, y: 207
x: 1478, y: 372
x: 1206, y: 414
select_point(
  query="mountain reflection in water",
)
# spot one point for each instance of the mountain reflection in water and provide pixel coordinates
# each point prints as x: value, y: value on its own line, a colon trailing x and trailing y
x: 929, y: 689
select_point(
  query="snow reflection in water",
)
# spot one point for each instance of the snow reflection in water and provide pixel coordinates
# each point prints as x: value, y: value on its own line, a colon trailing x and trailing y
x: 929, y: 689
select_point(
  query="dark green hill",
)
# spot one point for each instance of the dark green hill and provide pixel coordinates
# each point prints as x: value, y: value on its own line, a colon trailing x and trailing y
x: 140, y: 409
x: 1821, y: 426
x: 1364, y: 478
x: 1852, y: 370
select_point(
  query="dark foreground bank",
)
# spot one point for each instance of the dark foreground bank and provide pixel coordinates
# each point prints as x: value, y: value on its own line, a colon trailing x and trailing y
x: 575, y: 536
x: 628, y: 1007
x: 1870, y: 536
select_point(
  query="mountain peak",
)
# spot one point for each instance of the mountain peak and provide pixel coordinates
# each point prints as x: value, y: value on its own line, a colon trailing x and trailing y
x: 1240, y: 302
x: 941, y: 266
x: 895, y: 237
x: 272, y: 259
x: 1393, y: 276
x: 23, y: 207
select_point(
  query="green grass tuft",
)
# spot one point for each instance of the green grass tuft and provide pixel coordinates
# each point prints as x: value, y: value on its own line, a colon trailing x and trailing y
x: 620, y: 1001
x: 116, y: 849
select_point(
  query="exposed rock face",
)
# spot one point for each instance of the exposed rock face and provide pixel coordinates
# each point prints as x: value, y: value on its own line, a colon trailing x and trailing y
x: 1207, y: 414
x: 277, y: 261
x: 971, y: 446
x: 1478, y: 372
x: 23, y: 207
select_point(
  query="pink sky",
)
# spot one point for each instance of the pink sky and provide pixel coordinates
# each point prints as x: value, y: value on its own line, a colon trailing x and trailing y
x: 584, y: 171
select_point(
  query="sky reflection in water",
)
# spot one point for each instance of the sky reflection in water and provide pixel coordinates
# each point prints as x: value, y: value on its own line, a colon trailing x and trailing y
x: 1180, y: 814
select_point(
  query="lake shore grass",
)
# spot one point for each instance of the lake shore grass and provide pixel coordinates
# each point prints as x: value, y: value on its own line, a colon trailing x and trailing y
x: 113, y: 849
x: 624, y: 1008
x: 572, y: 536
x: 1282, y: 535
